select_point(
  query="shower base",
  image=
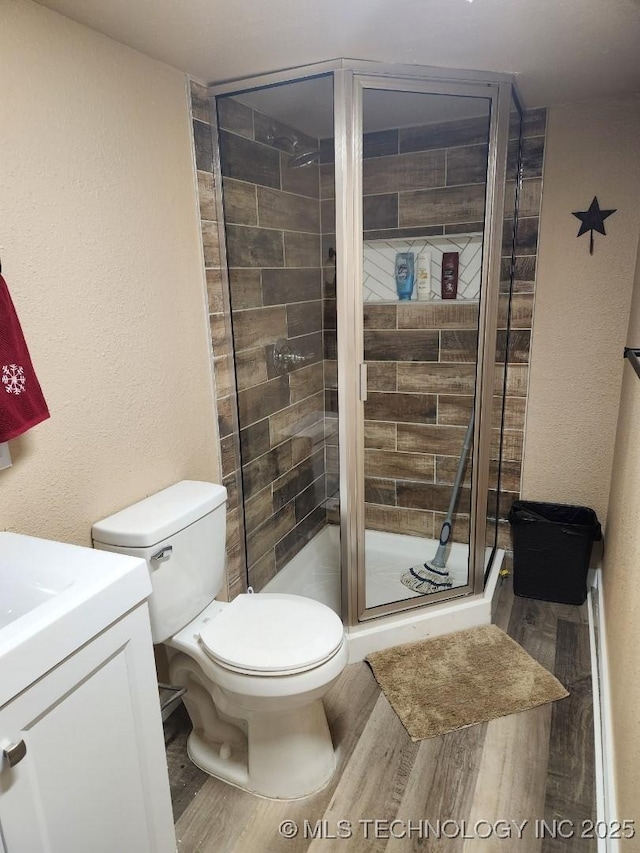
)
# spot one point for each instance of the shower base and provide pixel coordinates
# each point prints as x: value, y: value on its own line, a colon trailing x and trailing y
x: 315, y: 573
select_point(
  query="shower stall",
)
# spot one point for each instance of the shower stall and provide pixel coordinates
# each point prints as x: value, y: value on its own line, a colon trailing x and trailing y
x: 354, y: 395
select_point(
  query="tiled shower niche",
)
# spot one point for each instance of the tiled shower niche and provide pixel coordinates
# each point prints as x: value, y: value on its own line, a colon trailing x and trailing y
x: 379, y: 266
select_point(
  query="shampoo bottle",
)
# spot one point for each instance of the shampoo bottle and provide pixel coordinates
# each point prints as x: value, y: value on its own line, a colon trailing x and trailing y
x: 404, y: 274
x: 423, y: 277
x: 450, y: 275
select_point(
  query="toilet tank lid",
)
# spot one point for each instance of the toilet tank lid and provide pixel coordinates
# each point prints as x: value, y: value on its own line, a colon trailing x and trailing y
x: 159, y: 516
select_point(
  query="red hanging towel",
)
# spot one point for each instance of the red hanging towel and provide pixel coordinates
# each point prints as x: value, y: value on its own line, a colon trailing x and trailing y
x: 22, y: 404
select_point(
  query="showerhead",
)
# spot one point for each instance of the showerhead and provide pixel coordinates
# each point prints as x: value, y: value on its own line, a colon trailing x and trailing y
x: 298, y: 159
x: 305, y: 158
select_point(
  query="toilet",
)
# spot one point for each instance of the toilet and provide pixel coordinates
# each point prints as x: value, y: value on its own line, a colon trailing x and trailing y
x: 255, y: 669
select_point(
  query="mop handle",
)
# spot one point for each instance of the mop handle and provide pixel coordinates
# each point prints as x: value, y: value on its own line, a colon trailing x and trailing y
x: 460, y: 472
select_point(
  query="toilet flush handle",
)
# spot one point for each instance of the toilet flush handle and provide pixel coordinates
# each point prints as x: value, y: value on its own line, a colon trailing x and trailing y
x: 163, y: 554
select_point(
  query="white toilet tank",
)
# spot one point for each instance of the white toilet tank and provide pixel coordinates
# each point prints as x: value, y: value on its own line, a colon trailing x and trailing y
x: 180, y: 532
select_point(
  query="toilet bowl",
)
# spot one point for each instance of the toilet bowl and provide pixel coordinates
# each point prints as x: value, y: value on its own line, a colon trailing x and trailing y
x: 255, y: 669
x: 258, y: 717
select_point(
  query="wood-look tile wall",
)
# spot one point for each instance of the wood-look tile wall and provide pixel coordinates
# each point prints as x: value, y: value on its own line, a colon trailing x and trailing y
x: 420, y: 181
x: 422, y: 374
x: 422, y: 357
x: 330, y: 352
x: 272, y: 222
x: 417, y: 181
x: 409, y: 431
x: 220, y: 322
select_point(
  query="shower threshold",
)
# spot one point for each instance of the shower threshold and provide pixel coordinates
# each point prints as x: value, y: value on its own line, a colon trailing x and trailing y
x: 315, y: 573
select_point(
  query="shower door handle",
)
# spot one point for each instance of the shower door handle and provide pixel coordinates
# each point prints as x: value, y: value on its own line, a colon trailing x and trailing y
x: 363, y: 381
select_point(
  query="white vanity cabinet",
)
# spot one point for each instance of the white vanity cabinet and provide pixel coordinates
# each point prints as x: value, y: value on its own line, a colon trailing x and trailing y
x: 93, y: 778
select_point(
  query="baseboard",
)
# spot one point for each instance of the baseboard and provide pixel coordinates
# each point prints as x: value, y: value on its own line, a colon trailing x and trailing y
x: 606, y: 800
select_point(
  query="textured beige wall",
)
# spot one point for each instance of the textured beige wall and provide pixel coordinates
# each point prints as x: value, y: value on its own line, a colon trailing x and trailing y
x: 582, y: 302
x: 100, y: 246
x: 622, y: 587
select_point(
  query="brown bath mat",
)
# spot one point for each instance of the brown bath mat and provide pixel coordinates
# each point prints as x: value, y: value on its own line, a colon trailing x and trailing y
x: 455, y: 681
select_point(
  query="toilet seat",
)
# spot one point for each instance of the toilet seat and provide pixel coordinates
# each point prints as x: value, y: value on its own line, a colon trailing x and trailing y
x: 272, y: 634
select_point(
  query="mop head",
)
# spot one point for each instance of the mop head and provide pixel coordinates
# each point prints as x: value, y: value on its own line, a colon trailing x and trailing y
x: 427, y: 579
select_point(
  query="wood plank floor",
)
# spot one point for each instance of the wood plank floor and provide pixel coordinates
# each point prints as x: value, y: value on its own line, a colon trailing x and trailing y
x: 528, y: 767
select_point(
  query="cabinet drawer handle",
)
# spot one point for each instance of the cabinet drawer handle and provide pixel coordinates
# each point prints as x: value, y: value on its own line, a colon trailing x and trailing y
x: 14, y: 753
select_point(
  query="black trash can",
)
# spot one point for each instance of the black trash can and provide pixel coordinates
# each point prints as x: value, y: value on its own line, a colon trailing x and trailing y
x: 551, y: 550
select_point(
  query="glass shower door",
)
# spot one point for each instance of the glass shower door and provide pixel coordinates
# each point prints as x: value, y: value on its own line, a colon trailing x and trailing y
x: 511, y: 357
x: 425, y: 157
x: 276, y: 168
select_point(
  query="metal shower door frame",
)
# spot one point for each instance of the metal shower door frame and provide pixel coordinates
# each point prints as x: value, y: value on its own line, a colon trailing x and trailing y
x: 350, y: 78
x: 348, y: 91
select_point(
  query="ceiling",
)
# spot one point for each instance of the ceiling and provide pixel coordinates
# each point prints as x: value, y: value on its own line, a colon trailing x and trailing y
x: 560, y: 50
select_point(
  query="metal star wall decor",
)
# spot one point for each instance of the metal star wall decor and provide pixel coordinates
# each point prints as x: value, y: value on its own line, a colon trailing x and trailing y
x: 592, y: 220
